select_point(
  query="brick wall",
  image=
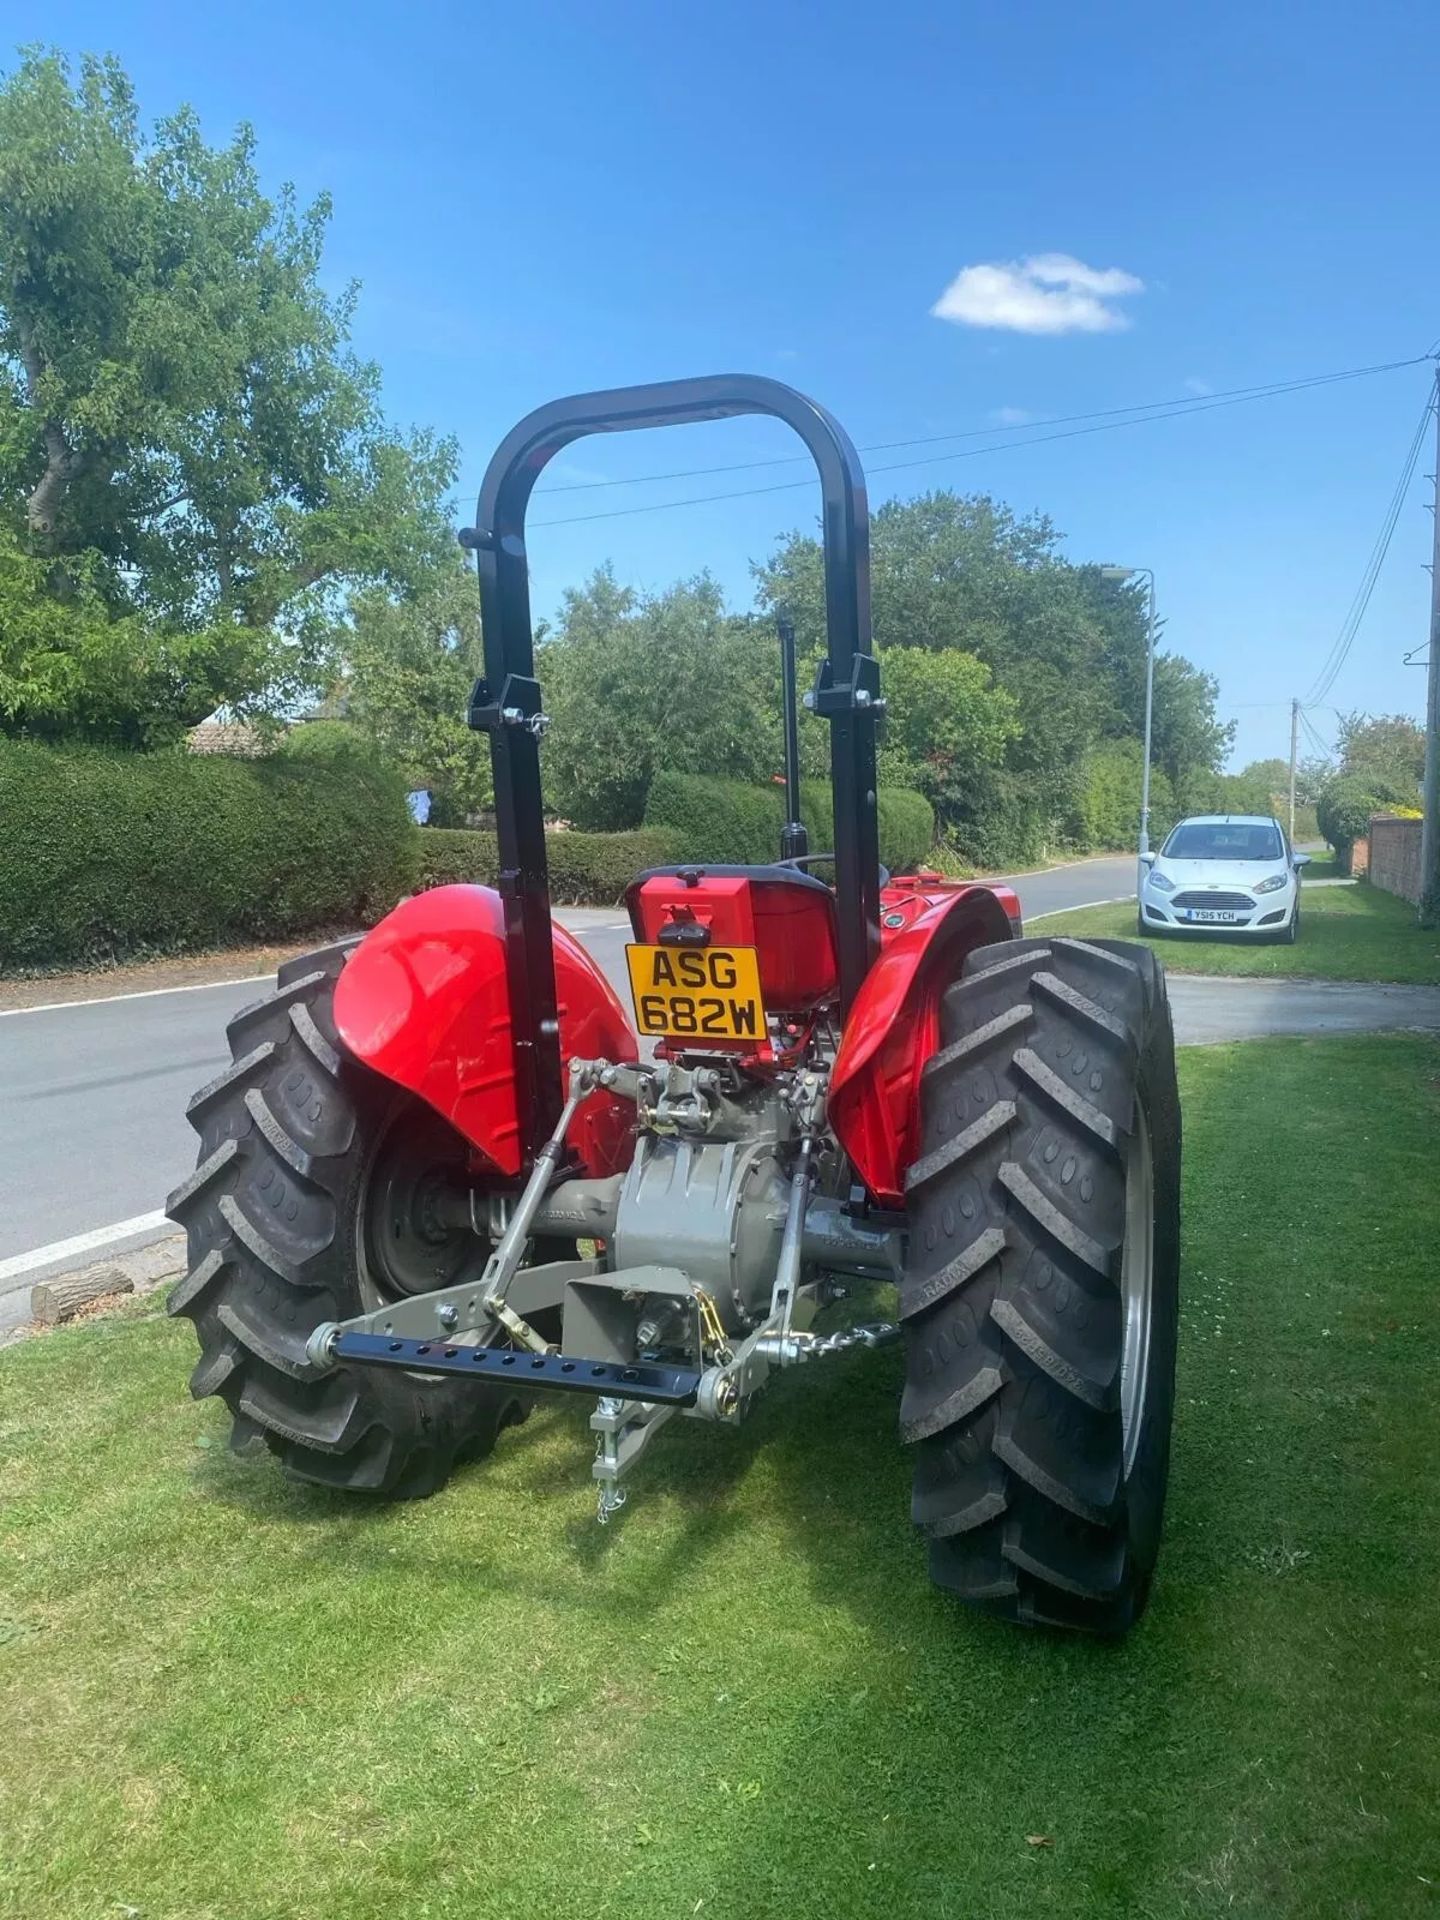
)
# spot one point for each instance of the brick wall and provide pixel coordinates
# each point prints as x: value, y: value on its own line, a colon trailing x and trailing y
x: 1395, y: 855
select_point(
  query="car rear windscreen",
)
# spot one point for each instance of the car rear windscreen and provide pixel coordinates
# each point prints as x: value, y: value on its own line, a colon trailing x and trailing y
x: 1212, y: 840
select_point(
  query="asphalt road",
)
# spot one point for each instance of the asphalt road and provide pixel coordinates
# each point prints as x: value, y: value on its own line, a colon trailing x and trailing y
x: 92, y: 1095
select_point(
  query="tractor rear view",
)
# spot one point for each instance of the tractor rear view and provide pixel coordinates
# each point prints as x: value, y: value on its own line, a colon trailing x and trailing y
x: 446, y: 1171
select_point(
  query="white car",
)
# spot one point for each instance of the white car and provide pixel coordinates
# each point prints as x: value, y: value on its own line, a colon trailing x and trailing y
x: 1224, y: 872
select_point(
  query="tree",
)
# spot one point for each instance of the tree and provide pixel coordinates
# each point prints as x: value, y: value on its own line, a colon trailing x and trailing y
x: 1190, y: 741
x: 410, y: 665
x: 1270, y: 777
x: 1389, y: 747
x: 1261, y: 787
x: 190, y: 455
x: 950, y: 571
x: 1107, y: 810
x: 1067, y: 645
x: 636, y: 683
x: 1311, y: 776
x: 1346, y: 805
x: 947, y: 726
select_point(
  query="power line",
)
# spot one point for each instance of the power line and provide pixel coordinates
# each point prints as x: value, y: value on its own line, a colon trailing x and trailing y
x: 1350, y: 626
x: 1107, y: 425
x: 1319, y: 745
x: 1197, y: 401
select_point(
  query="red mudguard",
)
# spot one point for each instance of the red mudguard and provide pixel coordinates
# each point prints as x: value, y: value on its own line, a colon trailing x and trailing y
x: 423, y: 1001
x: 894, y: 1028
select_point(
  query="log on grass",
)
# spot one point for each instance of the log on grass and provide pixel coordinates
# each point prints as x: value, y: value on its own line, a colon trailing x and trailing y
x: 52, y: 1301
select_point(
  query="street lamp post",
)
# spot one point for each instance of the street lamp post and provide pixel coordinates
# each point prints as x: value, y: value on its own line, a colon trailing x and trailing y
x: 1146, y: 574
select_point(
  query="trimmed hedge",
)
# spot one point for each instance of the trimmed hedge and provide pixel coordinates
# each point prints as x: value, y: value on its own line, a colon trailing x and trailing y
x: 592, y: 868
x: 729, y: 823
x: 723, y: 821
x: 106, y: 856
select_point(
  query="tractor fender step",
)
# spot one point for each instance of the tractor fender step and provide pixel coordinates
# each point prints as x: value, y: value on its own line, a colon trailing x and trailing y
x: 555, y: 1372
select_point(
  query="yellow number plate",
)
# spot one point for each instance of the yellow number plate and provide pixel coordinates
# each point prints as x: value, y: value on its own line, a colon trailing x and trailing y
x: 704, y: 993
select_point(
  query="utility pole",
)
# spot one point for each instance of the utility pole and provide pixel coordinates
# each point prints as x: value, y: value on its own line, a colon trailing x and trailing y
x: 1430, y: 830
x: 1294, y: 751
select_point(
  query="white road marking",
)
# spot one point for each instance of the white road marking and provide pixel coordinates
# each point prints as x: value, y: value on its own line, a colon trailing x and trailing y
x: 260, y: 981
x: 20, y: 1264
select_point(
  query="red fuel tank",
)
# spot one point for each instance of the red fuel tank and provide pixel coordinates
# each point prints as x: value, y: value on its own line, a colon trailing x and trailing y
x: 787, y: 916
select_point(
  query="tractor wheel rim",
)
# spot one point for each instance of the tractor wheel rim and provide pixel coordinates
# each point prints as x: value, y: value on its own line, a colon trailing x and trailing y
x: 403, y: 1244
x: 1137, y: 1269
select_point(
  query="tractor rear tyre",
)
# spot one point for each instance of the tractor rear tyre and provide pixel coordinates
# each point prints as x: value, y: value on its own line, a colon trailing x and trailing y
x: 1041, y: 1297
x: 315, y: 1199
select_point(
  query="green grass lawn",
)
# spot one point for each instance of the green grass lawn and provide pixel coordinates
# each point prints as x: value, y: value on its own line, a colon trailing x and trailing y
x: 224, y: 1697
x: 1346, y: 933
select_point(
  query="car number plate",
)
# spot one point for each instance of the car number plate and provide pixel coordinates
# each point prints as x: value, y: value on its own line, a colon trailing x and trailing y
x: 709, y: 993
x: 1208, y: 913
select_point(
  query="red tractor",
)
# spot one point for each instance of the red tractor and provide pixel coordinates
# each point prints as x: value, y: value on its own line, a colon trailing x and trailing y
x: 445, y: 1173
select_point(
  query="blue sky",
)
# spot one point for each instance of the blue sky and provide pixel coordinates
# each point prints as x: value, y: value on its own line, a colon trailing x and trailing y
x: 558, y: 196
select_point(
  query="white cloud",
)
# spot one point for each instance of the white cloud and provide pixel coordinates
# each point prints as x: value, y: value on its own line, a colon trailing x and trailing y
x: 1010, y: 417
x: 1198, y: 386
x: 1047, y: 293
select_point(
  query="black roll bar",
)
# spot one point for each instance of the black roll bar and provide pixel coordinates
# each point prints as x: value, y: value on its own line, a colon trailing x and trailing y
x: 506, y: 702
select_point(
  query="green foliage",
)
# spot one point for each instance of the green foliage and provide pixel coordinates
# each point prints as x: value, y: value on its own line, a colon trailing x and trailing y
x: 410, y: 664
x: 1107, y: 811
x: 1307, y: 823
x: 1272, y: 776
x: 641, y: 684
x: 1189, y: 740
x: 1243, y: 792
x: 722, y: 821
x: 1065, y: 646
x: 192, y: 461
x: 328, y: 743
x: 1310, y: 777
x: 1390, y: 747
x: 947, y: 734
x: 905, y: 821
x: 728, y: 823
x: 1345, y: 807
x: 72, y: 667
x: 585, y: 868
x: 204, y: 1709
x: 1016, y: 823
x: 108, y: 855
x: 949, y: 572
